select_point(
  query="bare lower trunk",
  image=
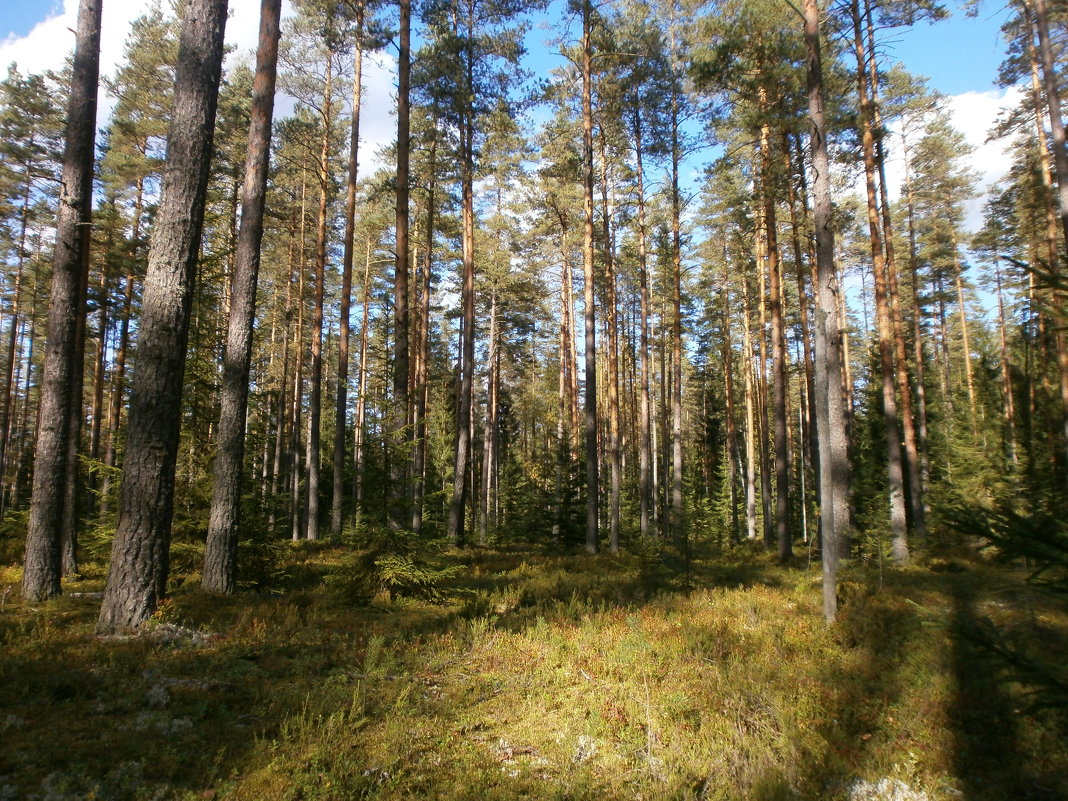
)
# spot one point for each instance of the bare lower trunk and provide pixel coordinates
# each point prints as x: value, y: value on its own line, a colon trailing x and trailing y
x: 61, y: 374
x: 139, y: 562
x: 220, y: 549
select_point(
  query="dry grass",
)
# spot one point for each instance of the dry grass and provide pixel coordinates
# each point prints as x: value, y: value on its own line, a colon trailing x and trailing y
x: 540, y: 677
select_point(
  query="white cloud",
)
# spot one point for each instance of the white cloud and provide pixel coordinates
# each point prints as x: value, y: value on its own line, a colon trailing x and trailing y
x: 51, y: 40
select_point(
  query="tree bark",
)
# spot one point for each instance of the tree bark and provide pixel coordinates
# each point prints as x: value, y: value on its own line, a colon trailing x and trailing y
x: 345, y: 324
x: 138, y: 572
x: 593, y: 486
x: 895, y: 474
x: 220, y: 549
x: 829, y: 401
x: 398, y: 418
x: 62, y: 361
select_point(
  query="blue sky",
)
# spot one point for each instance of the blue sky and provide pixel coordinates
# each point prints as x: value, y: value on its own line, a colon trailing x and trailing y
x: 959, y: 55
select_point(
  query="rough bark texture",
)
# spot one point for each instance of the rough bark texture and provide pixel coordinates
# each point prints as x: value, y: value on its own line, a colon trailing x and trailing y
x: 138, y: 570
x: 829, y: 401
x: 220, y: 550
x: 66, y: 306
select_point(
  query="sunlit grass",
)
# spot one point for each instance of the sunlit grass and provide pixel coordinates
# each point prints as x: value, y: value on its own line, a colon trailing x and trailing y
x: 534, y: 676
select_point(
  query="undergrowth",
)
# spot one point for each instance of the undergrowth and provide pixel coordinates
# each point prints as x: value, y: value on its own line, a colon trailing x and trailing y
x: 519, y: 674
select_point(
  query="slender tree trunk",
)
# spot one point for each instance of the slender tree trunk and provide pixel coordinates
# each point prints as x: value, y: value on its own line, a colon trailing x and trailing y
x: 778, y: 357
x: 751, y: 432
x: 614, y: 450
x: 139, y: 561
x: 677, y: 524
x: 423, y: 355
x: 315, y: 380
x: 61, y: 376
x: 593, y: 487
x: 361, y: 383
x: 1006, y: 370
x: 220, y: 549
x: 645, y: 456
x: 488, y: 525
x: 761, y: 397
x: 467, y: 356
x: 728, y: 375
x: 398, y: 492
x: 904, y: 389
x: 342, y: 403
x: 969, y: 373
x: 895, y: 473
x: 917, y: 334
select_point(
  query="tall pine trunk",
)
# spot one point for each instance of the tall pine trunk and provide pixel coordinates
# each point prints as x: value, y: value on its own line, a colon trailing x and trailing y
x: 345, y: 323
x: 61, y: 375
x: 220, y: 549
x: 139, y: 557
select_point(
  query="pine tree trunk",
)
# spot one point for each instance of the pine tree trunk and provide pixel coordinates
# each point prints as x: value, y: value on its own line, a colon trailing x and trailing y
x: 593, y: 487
x: 138, y: 573
x: 398, y: 417
x: 464, y: 438
x: 612, y: 318
x: 345, y: 323
x: 904, y: 389
x: 895, y: 473
x: 829, y: 400
x: 751, y: 432
x: 315, y: 379
x: 220, y: 549
x: 61, y: 375
x: 423, y: 354
x: 361, y: 384
x: 778, y: 358
x: 645, y: 455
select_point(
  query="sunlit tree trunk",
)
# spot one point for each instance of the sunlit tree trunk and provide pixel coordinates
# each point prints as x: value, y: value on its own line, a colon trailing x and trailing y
x: 345, y: 323
x: 139, y: 561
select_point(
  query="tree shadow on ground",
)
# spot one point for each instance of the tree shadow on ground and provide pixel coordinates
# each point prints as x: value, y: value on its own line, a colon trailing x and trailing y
x: 987, y: 719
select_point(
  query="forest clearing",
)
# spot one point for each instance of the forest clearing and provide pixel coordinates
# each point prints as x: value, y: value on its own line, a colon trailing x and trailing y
x: 539, y: 675
x: 672, y: 404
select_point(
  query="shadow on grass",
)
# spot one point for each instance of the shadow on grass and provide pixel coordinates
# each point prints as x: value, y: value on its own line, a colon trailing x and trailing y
x: 986, y: 719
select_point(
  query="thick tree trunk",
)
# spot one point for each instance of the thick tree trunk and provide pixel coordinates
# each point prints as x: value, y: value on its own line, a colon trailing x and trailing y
x: 829, y: 401
x: 220, y: 549
x: 62, y: 363
x: 138, y: 572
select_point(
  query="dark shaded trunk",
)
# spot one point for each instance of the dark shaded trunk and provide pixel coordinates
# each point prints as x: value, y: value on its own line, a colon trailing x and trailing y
x: 398, y: 416
x: 61, y: 375
x: 220, y: 549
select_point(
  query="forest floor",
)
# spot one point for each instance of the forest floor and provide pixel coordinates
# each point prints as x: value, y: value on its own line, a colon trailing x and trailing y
x: 541, y: 676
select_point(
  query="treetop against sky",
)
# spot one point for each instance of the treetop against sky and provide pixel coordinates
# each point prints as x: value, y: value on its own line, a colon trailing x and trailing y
x: 960, y: 56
